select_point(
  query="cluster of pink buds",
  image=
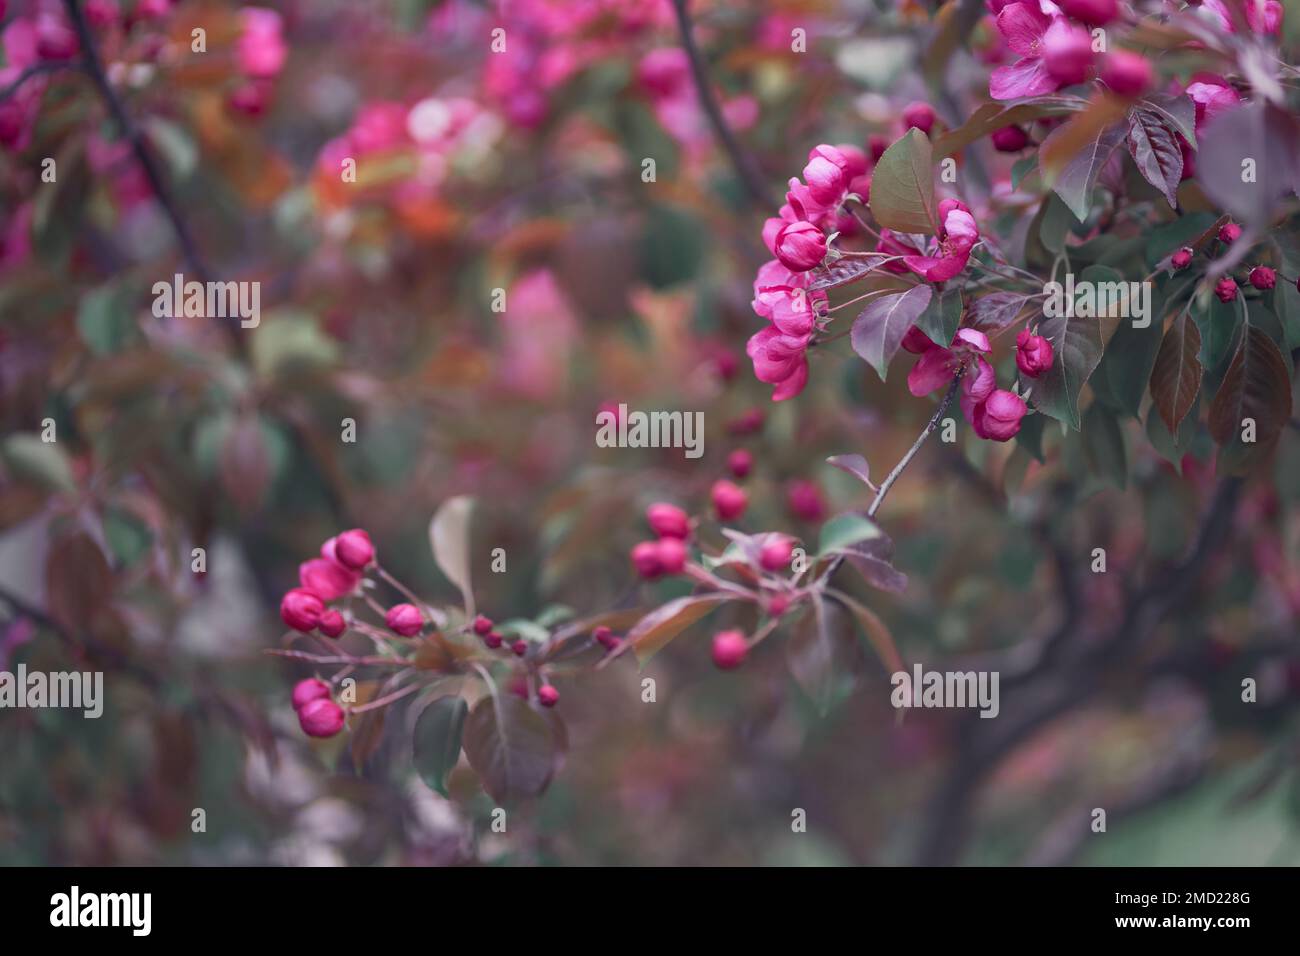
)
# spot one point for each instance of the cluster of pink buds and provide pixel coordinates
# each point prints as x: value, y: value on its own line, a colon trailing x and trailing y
x: 1226, y: 289
x: 318, y: 715
x: 337, y: 574
x: 260, y: 54
x: 666, y: 555
x: 994, y: 413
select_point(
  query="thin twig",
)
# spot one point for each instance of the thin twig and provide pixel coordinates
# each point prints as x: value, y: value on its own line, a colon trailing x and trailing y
x: 930, y: 426
x: 744, y: 165
x: 36, y: 69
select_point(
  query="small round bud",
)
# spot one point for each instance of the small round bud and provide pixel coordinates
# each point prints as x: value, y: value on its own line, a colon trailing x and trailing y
x: 1226, y: 290
x: 493, y: 639
x: 645, y: 558
x: 519, y: 648
x: 740, y: 463
x: 320, y: 718
x: 729, y: 649
x: 671, y: 555
x: 775, y: 555
x: 729, y: 500
x: 354, y: 550
x: 1229, y: 232
x: 301, y: 609
x: 482, y: 625
x: 305, y: 691
x: 1009, y: 139
x: 804, y: 499
x: 332, y: 624
x: 605, y: 637
x: 404, y: 619
x: 777, y: 605
x: 1262, y: 277
x: 920, y: 115
x: 1127, y: 73
x: 668, y: 521
x: 1182, y: 258
x: 548, y: 696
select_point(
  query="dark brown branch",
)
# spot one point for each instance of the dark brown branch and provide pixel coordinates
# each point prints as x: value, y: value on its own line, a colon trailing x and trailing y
x: 746, y: 169
x: 37, y: 69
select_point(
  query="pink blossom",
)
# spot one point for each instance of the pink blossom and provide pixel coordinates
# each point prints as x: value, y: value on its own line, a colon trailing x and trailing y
x: 321, y: 718
x: 1095, y: 13
x: 665, y: 71
x: 1211, y: 99
x: 1264, y: 16
x: 780, y: 360
x: 261, y: 50
x: 938, y: 365
x: 1127, y: 73
x: 954, y: 244
x: 804, y: 500
x: 1023, y: 26
x: 1067, y: 53
x: 800, y: 246
x: 827, y: 175
x: 998, y: 416
x: 920, y: 115
x: 1033, y: 353
x: 976, y: 386
x: 326, y: 577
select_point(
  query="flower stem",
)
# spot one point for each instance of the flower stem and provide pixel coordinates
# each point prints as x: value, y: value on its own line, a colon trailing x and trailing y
x: 930, y: 426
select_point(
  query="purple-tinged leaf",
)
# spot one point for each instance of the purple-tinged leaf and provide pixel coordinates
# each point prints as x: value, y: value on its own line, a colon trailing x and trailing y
x: 879, y: 329
x: 1157, y: 154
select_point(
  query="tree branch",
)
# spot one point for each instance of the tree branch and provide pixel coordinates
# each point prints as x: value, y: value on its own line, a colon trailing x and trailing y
x: 930, y: 426
x: 743, y: 163
x: 36, y: 69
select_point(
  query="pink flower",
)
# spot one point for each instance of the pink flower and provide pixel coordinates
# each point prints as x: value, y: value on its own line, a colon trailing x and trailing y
x: 1226, y: 290
x: 260, y: 51
x: 804, y: 500
x: 305, y: 691
x: 645, y: 559
x: 665, y: 71
x: 1067, y: 53
x: 776, y: 553
x: 1211, y: 99
x: 1023, y: 26
x: 1264, y: 16
x: 729, y: 500
x: 826, y: 175
x: 938, y: 365
x: 547, y: 695
x: 998, y: 416
x: 1229, y: 232
x: 671, y: 555
x: 1262, y: 277
x: 55, y: 38
x: 800, y: 246
x: 1182, y: 258
x: 780, y: 360
x: 955, y: 242
x: 921, y: 115
x: 326, y: 575
x: 353, y: 549
x: 320, y: 718
x: 976, y: 386
x: 301, y: 609
x: 1127, y: 73
x: 404, y: 619
x: 740, y: 462
x: 668, y: 521
x: 729, y: 649
x: 891, y: 244
x: 1033, y: 353
x: 332, y: 623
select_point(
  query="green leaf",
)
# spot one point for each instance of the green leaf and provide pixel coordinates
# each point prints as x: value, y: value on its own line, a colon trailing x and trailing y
x: 902, y: 186
x: 1077, y: 344
x: 435, y: 744
x: 39, y: 462
x: 449, y: 541
x: 1103, y: 445
x: 845, y: 530
x: 1130, y: 356
x: 1022, y: 168
x: 1079, y: 176
x: 879, y: 329
x: 291, y: 341
x: 104, y: 320
x: 510, y: 746
x: 942, y: 316
x: 1030, y: 436
x: 1172, y: 447
x: 1055, y: 224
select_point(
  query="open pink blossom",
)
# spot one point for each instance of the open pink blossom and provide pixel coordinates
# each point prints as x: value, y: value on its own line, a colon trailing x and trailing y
x: 998, y: 416
x: 1023, y: 26
x: 959, y: 235
x: 938, y: 365
x: 780, y: 360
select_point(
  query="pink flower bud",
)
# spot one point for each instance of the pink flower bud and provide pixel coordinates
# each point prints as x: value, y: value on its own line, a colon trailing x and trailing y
x: 353, y: 549
x: 1000, y: 415
x: 482, y: 624
x: 668, y: 521
x: 327, y: 578
x: 404, y: 619
x: 1095, y: 13
x: 645, y: 558
x: 55, y: 38
x: 740, y: 462
x: 548, y: 696
x: 605, y: 637
x: 804, y: 500
x: 1067, y: 53
x: 1033, y: 354
x: 920, y: 115
x: 519, y: 648
x: 320, y: 718
x: 1262, y: 277
x: 493, y: 639
x: 1127, y: 73
x: 671, y: 554
x: 876, y: 146
x: 1226, y: 289
x: 332, y: 624
x: 824, y: 175
x: 1182, y: 258
x: 777, y: 605
x: 305, y: 691
x: 301, y: 609
x: 1009, y: 139
x: 1229, y: 232
x: 800, y: 246
x: 729, y: 500
x: 100, y: 13
x: 916, y: 341
x: 251, y: 98
x: 729, y: 649
x: 1264, y: 16
x: 775, y: 555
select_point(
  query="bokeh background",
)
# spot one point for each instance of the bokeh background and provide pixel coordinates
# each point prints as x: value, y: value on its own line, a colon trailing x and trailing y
x: 523, y: 171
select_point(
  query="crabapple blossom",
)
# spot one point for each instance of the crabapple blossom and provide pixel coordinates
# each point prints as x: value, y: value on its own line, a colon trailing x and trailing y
x: 1009, y: 139
x: 998, y: 416
x: 668, y: 521
x: 729, y: 500
x: 1094, y: 13
x: 321, y: 718
x: 548, y: 696
x: 919, y: 115
x: 776, y: 553
x: 800, y: 246
x: 804, y: 500
x: 1226, y: 289
x: 332, y: 623
x: 301, y: 609
x: 404, y: 619
x: 1033, y: 353
x: 482, y: 624
x: 1262, y: 277
x: 645, y: 559
x: 354, y: 549
x: 260, y: 50
x: 671, y: 554
x: 729, y: 649
x: 1127, y: 73
x: 305, y: 691
x: 937, y: 365
x: 952, y: 246
x: 1023, y: 26
x: 740, y: 462
x: 1229, y: 232
x: 1182, y: 258
x: 1067, y: 53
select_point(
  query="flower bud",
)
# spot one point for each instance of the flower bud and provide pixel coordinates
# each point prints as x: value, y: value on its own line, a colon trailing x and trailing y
x: 354, y: 550
x: 320, y: 718
x: 493, y: 639
x: 800, y: 246
x: 301, y: 609
x: 605, y: 637
x: 1229, y: 232
x: 404, y: 619
x: 1226, y: 289
x: 482, y: 624
x: 305, y: 691
x: 729, y: 500
x: 1067, y: 53
x: 327, y: 578
x: 668, y: 521
x: 332, y: 623
x: 1033, y: 354
x: 824, y: 175
x: 645, y: 558
x: 671, y: 555
x: 1009, y: 139
x: 1182, y: 258
x: 548, y: 696
x: 777, y: 605
x: 920, y: 115
x: 804, y: 500
x: 729, y: 649
x: 776, y: 554
x: 1127, y: 73
x: 1000, y: 415
x: 1262, y: 277
x: 519, y: 648
x: 740, y: 462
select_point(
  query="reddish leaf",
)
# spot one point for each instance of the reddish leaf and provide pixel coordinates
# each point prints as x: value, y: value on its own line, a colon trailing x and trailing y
x: 1257, y: 386
x: 510, y: 746
x: 1176, y: 376
x: 1156, y: 152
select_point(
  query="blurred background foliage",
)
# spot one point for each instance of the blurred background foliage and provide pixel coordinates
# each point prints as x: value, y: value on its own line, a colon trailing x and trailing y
x: 377, y: 307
